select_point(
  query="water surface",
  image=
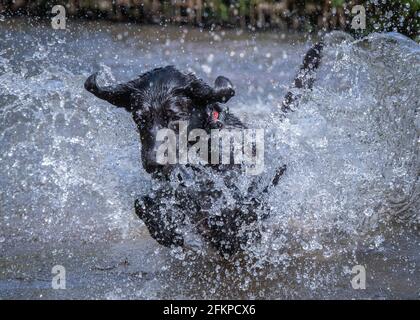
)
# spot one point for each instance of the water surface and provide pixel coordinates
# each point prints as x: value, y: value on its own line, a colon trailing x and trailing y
x: 70, y: 165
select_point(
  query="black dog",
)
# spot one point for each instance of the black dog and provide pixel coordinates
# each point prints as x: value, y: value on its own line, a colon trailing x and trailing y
x: 157, y: 100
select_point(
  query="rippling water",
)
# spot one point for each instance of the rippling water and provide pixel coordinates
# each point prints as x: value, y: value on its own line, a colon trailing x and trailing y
x: 70, y: 165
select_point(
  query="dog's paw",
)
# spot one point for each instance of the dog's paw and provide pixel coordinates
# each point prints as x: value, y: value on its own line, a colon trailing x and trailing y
x: 161, y: 229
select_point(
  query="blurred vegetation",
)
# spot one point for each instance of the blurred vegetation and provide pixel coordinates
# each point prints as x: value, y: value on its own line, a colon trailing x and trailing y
x: 310, y: 16
x: 402, y: 16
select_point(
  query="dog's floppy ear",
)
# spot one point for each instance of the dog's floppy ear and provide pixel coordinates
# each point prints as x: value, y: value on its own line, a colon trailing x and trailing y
x: 202, y: 93
x: 119, y: 95
x: 223, y: 89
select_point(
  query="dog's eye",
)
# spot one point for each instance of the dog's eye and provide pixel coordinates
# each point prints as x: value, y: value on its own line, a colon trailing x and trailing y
x: 176, y: 116
x: 146, y: 116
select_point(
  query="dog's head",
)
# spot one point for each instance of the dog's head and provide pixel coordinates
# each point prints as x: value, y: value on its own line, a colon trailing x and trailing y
x: 160, y: 98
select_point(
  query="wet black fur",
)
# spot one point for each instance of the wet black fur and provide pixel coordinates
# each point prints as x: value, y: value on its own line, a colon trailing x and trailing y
x: 158, y: 99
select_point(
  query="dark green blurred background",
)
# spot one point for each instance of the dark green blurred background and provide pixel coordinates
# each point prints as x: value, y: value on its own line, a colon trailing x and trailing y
x: 308, y: 16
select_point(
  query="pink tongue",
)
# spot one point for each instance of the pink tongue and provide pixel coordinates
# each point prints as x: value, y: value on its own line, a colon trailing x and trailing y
x: 215, y: 115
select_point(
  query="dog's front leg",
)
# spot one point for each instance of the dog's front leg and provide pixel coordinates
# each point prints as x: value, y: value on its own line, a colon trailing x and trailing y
x: 161, y: 222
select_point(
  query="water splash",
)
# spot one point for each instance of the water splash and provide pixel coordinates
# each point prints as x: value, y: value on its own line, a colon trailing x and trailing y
x: 70, y: 168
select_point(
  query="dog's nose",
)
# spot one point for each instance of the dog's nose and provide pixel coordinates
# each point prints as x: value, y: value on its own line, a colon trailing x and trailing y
x: 152, y: 167
x: 158, y: 171
x: 150, y: 163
